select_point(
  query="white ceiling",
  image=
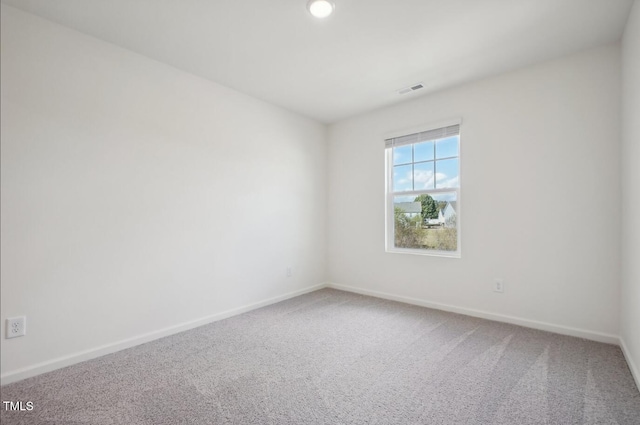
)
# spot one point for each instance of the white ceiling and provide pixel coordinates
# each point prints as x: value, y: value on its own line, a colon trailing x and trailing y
x: 354, y: 61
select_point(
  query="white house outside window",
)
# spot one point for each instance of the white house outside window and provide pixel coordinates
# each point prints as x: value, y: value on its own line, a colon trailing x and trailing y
x: 423, y: 191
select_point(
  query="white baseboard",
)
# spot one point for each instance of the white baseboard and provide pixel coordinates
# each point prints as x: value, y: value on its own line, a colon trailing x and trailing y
x: 60, y: 362
x: 85, y: 355
x: 550, y: 327
x: 635, y: 372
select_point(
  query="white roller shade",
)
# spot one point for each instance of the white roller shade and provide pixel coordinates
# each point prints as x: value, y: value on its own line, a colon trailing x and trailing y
x: 424, y: 136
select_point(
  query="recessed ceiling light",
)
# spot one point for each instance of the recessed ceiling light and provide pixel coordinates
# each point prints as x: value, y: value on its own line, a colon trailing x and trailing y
x: 320, y: 8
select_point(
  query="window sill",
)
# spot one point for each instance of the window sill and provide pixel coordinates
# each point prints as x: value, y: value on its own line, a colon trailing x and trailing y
x: 423, y: 252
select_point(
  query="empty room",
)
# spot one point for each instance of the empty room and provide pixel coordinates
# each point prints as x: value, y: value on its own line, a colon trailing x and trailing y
x: 320, y: 212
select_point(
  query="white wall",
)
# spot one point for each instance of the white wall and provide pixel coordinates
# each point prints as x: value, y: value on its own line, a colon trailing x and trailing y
x: 136, y: 197
x: 630, y: 313
x: 540, y: 194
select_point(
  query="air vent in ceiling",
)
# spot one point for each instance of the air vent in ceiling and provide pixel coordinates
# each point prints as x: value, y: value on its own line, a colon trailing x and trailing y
x: 409, y: 89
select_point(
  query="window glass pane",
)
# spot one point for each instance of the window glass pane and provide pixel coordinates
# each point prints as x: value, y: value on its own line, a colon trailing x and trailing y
x: 447, y: 173
x: 402, y: 155
x: 423, y: 175
x: 444, y: 235
x: 427, y: 222
x: 404, y: 198
x: 408, y: 230
x: 402, y: 178
x: 423, y: 151
x: 447, y: 147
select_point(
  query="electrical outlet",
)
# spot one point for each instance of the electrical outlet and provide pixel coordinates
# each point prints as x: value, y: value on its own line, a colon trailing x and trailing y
x: 498, y: 285
x: 289, y: 271
x: 16, y: 326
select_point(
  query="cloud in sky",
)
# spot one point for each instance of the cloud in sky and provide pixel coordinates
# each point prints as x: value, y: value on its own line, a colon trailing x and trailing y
x: 424, y: 179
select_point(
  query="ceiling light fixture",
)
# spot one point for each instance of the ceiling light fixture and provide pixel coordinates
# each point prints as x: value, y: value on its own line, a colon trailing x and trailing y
x: 320, y: 8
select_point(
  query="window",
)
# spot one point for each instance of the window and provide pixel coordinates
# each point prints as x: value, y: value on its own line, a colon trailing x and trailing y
x: 423, y: 192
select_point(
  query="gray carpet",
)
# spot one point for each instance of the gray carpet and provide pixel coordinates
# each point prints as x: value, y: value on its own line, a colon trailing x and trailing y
x: 331, y: 357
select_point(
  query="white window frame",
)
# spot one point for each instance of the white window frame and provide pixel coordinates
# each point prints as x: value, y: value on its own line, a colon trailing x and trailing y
x: 390, y: 194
